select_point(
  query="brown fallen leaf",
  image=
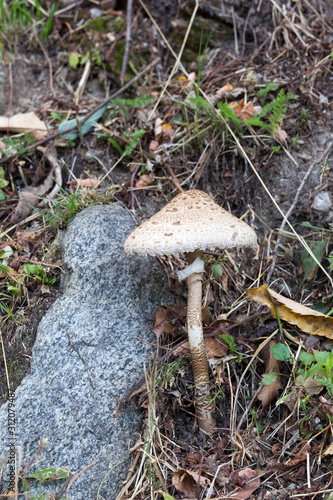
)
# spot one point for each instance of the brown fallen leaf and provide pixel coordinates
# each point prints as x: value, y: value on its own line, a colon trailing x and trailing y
x: 162, y: 323
x: 280, y: 135
x: 308, y: 320
x: 249, y: 480
x: 272, y: 365
x: 300, y: 457
x: 189, y: 482
x: 22, y: 122
x: 246, y: 110
x: 216, y: 347
x: 145, y: 180
x: 153, y: 145
x: 85, y: 183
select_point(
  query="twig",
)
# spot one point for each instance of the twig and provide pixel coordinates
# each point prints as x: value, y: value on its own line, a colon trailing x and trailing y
x: 128, y: 40
x: 132, y: 185
x: 291, y: 208
x: 79, y: 474
x: 50, y: 65
x: 85, y: 118
x: 34, y: 456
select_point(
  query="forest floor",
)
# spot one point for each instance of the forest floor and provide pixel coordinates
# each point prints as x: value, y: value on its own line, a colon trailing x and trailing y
x: 235, y: 101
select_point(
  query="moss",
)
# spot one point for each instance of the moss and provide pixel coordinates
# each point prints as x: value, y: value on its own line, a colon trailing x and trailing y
x: 105, y: 24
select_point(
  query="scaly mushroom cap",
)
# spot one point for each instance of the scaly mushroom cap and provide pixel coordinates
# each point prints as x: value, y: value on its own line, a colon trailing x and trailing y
x: 191, y: 221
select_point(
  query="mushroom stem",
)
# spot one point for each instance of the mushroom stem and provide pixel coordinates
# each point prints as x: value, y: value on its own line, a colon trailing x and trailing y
x: 203, y: 406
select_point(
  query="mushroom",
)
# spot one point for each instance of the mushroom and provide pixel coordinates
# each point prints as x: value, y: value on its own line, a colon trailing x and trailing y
x: 192, y: 222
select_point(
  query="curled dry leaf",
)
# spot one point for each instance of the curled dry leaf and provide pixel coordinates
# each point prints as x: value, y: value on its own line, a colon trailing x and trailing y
x: 189, y: 482
x: 216, y: 347
x: 280, y: 135
x: 246, y: 110
x: 249, y: 480
x: 145, y: 180
x: 162, y: 323
x: 85, y: 183
x: 272, y: 365
x: 153, y: 145
x: 307, y: 320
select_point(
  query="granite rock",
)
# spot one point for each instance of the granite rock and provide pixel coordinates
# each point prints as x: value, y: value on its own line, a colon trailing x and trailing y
x: 87, y: 356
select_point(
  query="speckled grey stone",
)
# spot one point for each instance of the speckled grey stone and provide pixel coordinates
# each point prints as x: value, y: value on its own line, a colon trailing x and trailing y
x: 86, y: 356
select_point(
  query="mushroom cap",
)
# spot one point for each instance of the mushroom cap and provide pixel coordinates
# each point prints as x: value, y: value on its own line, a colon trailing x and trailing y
x: 191, y: 221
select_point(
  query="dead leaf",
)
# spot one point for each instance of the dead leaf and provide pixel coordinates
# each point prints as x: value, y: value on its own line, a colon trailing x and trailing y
x: 308, y: 320
x: 85, y: 183
x: 158, y: 127
x: 45, y: 289
x: 189, y: 482
x: 329, y: 450
x: 145, y: 180
x: 153, y: 145
x: 272, y: 365
x: 248, y: 480
x: 246, y: 110
x: 280, y: 135
x: 22, y: 122
x: 162, y: 323
x: 168, y: 131
x: 187, y: 82
x: 216, y: 347
x: 226, y: 88
x: 326, y: 406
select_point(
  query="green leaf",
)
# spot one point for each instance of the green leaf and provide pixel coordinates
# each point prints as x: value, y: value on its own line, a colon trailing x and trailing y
x: 3, y: 182
x: 84, y: 58
x: 217, y: 271
x: 86, y: 127
x: 74, y: 59
x: 137, y: 134
x: 281, y: 352
x: 321, y: 357
x: 50, y: 473
x: 2, y: 195
x: 115, y: 145
x: 307, y: 261
x: 166, y: 496
x: 269, y: 378
x: 306, y: 358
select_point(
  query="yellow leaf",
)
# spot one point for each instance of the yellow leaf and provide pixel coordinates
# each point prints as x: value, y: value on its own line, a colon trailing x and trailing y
x: 307, y: 320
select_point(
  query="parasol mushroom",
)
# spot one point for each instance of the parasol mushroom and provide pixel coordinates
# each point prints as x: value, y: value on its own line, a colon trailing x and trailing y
x: 192, y: 222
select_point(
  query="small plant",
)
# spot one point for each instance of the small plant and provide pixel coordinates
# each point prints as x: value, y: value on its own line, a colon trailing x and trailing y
x: 37, y: 272
x: 318, y: 365
x: 17, y: 144
x: 3, y: 183
x: 258, y: 428
x: 166, y: 375
x: 274, y: 112
x: 64, y: 208
x: 232, y: 346
x: 19, y: 14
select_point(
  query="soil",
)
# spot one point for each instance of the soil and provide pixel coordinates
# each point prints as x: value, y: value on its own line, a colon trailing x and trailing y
x: 247, y: 45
